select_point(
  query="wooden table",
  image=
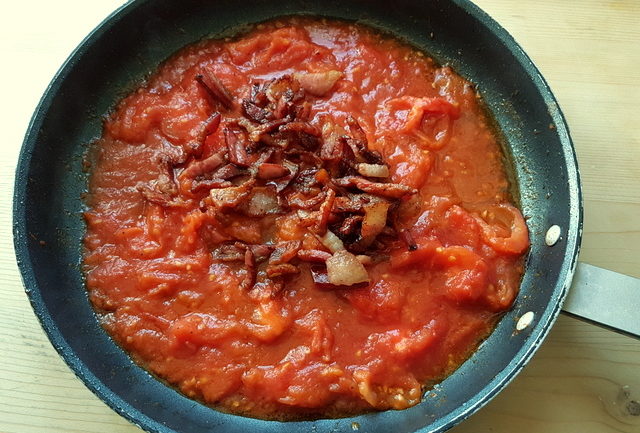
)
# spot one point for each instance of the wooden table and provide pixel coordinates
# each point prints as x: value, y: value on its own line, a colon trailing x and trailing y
x: 588, y: 50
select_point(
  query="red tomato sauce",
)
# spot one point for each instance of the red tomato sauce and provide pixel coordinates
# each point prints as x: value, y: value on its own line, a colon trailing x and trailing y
x: 304, y: 351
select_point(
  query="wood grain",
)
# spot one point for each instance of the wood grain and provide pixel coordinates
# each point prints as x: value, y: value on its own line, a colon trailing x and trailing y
x: 583, y: 378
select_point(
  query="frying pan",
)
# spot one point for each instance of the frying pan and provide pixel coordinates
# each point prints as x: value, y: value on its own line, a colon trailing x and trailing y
x: 130, y: 43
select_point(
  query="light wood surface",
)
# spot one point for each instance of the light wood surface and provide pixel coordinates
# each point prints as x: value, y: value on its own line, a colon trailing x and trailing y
x: 582, y: 380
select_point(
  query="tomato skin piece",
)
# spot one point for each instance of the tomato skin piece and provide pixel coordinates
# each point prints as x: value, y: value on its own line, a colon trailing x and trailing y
x: 429, y: 106
x: 465, y: 271
x: 410, y: 165
x: 502, y: 291
x: 422, y: 255
x: 407, y: 112
x: 200, y: 329
x: 419, y: 341
x: 518, y: 240
x: 382, y: 301
x: 460, y: 228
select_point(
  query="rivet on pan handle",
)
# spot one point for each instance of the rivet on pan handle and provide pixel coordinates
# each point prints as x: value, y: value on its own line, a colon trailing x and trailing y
x: 605, y: 298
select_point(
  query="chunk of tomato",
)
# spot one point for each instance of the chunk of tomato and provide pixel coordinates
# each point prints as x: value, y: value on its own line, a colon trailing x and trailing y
x: 506, y: 231
x: 465, y: 273
x: 381, y: 302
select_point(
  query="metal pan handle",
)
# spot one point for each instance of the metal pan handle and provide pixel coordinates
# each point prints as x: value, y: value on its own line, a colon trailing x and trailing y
x: 605, y: 298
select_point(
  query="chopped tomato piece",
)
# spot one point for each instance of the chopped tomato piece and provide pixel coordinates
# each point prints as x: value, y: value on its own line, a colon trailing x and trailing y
x: 511, y: 237
x: 466, y: 273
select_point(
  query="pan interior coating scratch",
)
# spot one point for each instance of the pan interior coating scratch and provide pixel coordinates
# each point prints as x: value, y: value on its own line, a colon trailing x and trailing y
x: 132, y: 42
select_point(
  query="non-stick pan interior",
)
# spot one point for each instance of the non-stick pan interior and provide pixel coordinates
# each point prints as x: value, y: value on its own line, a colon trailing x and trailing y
x: 126, y: 47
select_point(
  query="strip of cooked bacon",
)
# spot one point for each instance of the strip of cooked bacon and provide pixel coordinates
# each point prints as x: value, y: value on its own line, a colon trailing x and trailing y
x: 389, y: 190
x: 211, y: 125
x: 256, y: 113
x: 284, y: 252
x: 258, y: 133
x: 219, y: 179
x: 303, y: 111
x: 261, y: 252
x: 250, y: 266
x: 214, y: 87
x: 261, y: 201
x: 374, y: 221
x: 229, y: 253
x: 228, y: 171
x: 357, y: 133
x: 208, y: 127
x: 307, y: 218
x: 296, y: 200
x: 237, y: 147
x: 316, y: 256
x: 236, y: 252
x: 155, y: 196
x: 269, y: 171
x: 284, y: 109
x: 332, y: 148
x: 331, y: 241
x: 306, y: 180
x: 300, y: 133
x: 163, y: 190
x: 258, y: 95
x: 285, y: 88
x: 300, y: 127
x: 200, y: 185
x: 325, y: 211
x: 344, y: 269
x: 359, y: 143
x: 203, y: 166
x: 349, y: 225
x: 264, y: 156
x: 339, y: 158
x: 321, y: 278
x: 352, y: 203
x: 287, y: 179
x: 304, y: 157
x: 281, y: 269
x: 231, y: 197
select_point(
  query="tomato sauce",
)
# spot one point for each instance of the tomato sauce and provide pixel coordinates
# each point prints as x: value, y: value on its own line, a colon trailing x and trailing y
x: 303, y: 351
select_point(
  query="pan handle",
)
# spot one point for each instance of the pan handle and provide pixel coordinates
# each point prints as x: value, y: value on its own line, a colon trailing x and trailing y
x: 605, y: 298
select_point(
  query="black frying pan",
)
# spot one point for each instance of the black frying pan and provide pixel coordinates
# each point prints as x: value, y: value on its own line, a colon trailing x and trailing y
x: 130, y: 43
